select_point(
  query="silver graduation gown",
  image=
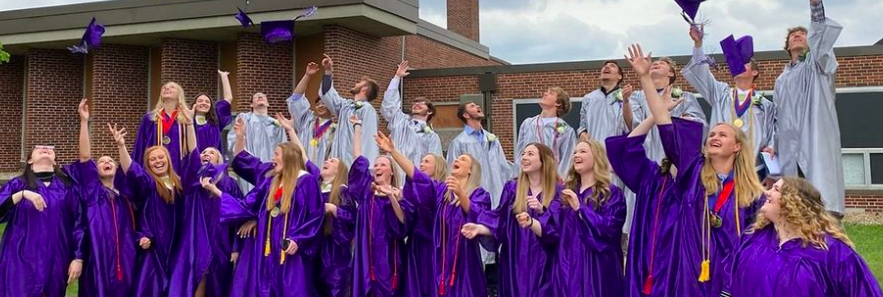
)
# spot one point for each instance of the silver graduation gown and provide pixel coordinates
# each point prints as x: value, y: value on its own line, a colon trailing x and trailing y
x: 263, y: 134
x: 808, y: 130
x: 342, y: 146
x: 562, y: 142
x: 495, y: 169
x: 306, y: 125
x: 719, y: 95
x: 410, y: 136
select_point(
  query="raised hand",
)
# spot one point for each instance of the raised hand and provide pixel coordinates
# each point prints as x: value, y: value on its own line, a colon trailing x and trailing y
x: 312, y: 68
x: 534, y: 203
x: 83, y: 109
x: 119, y: 135
x: 327, y: 63
x: 453, y: 185
x: 383, y: 142
x: 570, y: 198
x: 223, y: 73
x: 286, y: 124
x: 402, y: 71
x: 640, y: 63
x: 210, y: 186
x: 627, y: 91
x: 696, y: 34
x: 239, y: 128
x: 524, y: 219
x: 188, y: 114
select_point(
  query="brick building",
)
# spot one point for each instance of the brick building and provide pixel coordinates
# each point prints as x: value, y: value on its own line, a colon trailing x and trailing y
x: 150, y: 42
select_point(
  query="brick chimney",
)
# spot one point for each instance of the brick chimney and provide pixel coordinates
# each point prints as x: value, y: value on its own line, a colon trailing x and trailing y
x: 463, y: 18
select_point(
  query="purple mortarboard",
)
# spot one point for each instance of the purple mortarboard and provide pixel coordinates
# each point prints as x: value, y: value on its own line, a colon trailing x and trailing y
x: 690, y: 8
x: 91, y: 39
x: 277, y: 31
x: 243, y: 18
x: 738, y: 52
x: 211, y: 171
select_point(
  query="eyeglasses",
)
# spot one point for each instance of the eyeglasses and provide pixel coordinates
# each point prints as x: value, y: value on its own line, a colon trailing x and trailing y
x: 44, y: 147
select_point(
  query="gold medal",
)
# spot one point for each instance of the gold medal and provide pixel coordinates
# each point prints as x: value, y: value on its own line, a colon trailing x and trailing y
x: 738, y: 123
x: 274, y: 212
x: 715, y: 220
x: 314, y: 142
x: 166, y: 139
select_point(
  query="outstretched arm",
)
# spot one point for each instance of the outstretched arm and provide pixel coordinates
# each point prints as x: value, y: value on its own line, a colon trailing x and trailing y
x: 357, y: 135
x: 292, y: 134
x: 239, y: 129
x: 119, y: 137
x: 191, y: 129
x: 386, y: 144
x: 641, y: 65
x: 225, y: 83
x: 85, y: 141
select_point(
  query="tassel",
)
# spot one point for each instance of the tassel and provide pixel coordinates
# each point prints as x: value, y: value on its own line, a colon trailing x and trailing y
x: 704, y: 273
x: 395, y: 281
x: 441, y: 287
x: 119, y: 272
x: 648, y: 285
x: 267, y: 248
x: 281, y: 258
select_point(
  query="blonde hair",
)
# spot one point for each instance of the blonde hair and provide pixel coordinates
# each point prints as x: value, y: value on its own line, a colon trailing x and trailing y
x: 167, y: 194
x: 801, y: 207
x: 674, y: 68
x: 549, y: 173
x: 441, y: 168
x: 292, y: 165
x: 563, y: 99
x: 182, y: 101
x: 472, y: 182
x: 747, y: 186
x: 340, y: 180
x: 393, y: 181
x: 601, y: 172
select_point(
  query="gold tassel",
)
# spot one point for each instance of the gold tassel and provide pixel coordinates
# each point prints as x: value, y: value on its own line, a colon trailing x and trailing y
x: 267, y: 247
x: 282, y: 258
x: 704, y: 273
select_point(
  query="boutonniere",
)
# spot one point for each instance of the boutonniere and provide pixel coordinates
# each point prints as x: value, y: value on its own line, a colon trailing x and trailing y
x: 676, y: 93
x: 491, y: 137
x: 559, y: 127
x: 358, y: 104
x: 427, y: 130
x: 333, y: 127
x: 757, y: 99
x: 618, y: 95
x: 804, y: 55
x: 275, y: 122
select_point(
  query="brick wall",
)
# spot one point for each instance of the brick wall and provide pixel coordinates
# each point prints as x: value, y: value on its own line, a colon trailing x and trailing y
x: 425, y: 53
x: 463, y: 18
x: 264, y: 68
x: 54, y: 89
x: 872, y: 203
x: 192, y: 64
x: 119, y: 93
x: 12, y: 83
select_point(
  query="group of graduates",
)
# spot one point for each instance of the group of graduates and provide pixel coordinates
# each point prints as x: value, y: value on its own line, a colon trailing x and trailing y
x: 315, y: 209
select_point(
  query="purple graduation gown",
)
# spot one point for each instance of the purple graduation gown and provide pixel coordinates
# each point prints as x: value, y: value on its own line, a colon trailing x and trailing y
x: 525, y: 260
x: 334, y: 267
x: 682, y: 142
x: 656, y: 226
x: 267, y: 276
x: 417, y: 279
x: 798, y: 271
x: 456, y: 266
x: 377, y: 260
x: 146, y: 138
x: 158, y: 221
x: 110, y: 243
x: 589, y: 260
x: 203, y: 247
x: 209, y: 135
x: 38, y: 247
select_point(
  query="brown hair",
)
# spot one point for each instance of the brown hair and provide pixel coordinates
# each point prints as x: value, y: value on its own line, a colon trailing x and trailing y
x: 801, y: 207
x: 211, y: 116
x: 674, y: 68
x: 618, y: 69
x: 167, y: 194
x: 292, y: 165
x: 601, y: 172
x: 562, y: 99
x: 549, y: 173
x: 788, y: 37
x: 373, y: 89
x: 429, y: 105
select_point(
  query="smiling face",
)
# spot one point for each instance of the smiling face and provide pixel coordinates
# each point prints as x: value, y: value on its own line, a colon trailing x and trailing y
x: 107, y: 168
x: 427, y: 165
x: 203, y: 104
x: 170, y: 91
x: 462, y: 166
x: 278, y: 162
x: 42, y: 155
x: 158, y: 162
x: 722, y: 141
x: 329, y: 169
x: 383, y: 170
x: 583, y: 159
x: 611, y: 72
x: 420, y: 108
x: 210, y: 156
x: 321, y: 109
x: 530, y: 160
x: 771, y: 210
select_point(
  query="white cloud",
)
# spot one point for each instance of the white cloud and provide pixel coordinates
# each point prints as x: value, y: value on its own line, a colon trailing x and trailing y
x: 18, y: 4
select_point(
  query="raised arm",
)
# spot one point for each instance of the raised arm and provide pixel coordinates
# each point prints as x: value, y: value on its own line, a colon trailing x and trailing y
x: 357, y: 135
x: 292, y: 134
x: 641, y: 65
x: 823, y: 33
x: 85, y: 141
x: 225, y: 83
x: 119, y: 138
x: 239, y: 130
x: 190, y: 128
x: 298, y: 103
x: 698, y: 73
x: 391, y: 108
x: 386, y: 144
x: 327, y: 92
x: 222, y: 107
x: 628, y: 111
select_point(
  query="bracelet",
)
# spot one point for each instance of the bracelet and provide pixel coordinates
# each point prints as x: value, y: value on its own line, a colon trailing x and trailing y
x: 357, y: 124
x: 531, y: 223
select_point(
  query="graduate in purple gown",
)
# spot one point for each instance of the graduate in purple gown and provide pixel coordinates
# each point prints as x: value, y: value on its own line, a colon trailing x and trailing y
x: 42, y: 246
x: 109, y: 257
x: 593, y: 211
x: 800, y: 250
x: 720, y: 188
x: 164, y: 126
x: 524, y: 225
x: 380, y: 218
x: 201, y: 262
x: 289, y: 211
x: 447, y: 203
x: 211, y: 117
x: 157, y: 191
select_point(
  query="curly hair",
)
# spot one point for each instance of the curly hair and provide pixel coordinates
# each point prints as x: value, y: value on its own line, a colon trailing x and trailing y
x: 801, y: 207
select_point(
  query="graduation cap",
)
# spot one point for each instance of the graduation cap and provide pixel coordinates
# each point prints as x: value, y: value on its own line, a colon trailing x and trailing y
x: 91, y: 39
x: 690, y: 8
x: 211, y: 171
x: 738, y: 52
x: 243, y: 18
x: 279, y: 31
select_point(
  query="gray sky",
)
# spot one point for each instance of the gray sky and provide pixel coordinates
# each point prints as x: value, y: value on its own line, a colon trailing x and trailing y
x: 532, y: 31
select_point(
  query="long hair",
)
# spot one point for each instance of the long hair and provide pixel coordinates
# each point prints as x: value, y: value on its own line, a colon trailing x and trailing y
x: 472, y: 182
x: 393, y: 181
x: 601, y: 172
x: 292, y: 165
x: 549, y: 174
x: 747, y: 187
x: 340, y: 180
x: 212, y: 115
x: 167, y: 194
x: 801, y: 207
x: 30, y: 178
x: 156, y: 113
x: 441, y: 168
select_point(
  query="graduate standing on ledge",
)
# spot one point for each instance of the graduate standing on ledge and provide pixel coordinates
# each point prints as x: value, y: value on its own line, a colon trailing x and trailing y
x: 164, y: 126
x: 314, y: 126
x: 110, y: 229
x: 720, y: 186
x: 808, y: 130
x: 550, y: 129
x: 365, y: 91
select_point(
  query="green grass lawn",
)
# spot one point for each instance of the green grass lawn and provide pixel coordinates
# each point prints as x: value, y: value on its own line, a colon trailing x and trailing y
x: 868, y: 241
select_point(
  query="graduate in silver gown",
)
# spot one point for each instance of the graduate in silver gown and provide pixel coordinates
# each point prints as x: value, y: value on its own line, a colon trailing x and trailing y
x: 412, y: 135
x: 315, y: 127
x: 485, y: 147
x: 752, y: 112
x: 664, y: 73
x: 550, y: 129
x: 266, y: 133
x: 808, y: 130
x: 363, y: 93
